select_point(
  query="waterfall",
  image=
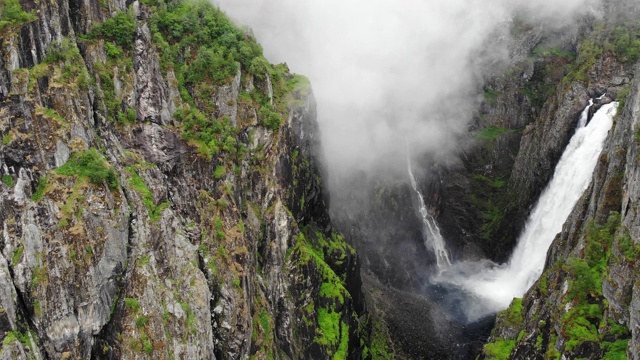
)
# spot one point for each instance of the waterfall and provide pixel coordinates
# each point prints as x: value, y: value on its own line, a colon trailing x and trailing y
x: 492, y: 287
x: 432, y: 238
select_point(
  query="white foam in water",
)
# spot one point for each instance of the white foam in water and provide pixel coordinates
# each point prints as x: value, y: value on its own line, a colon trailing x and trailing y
x: 494, y: 286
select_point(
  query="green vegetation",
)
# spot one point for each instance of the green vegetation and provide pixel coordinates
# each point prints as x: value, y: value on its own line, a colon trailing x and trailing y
x: 144, y: 260
x: 219, y: 172
x: 92, y: 165
x: 513, y: 314
x: 623, y: 42
x: 16, y: 335
x: 211, y: 135
x: 265, y: 319
x: 491, y: 96
x: 12, y: 15
x: 66, y: 55
x: 41, y: 189
x: 615, y: 350
x: 491, y: 133
x: 141, y: 321
x: 191, y: 319
x: 269, y: 118
x: 499, y: 350
x: 497, y: 183
x: 8, y: 180
x: 220, y: 47
x: 6, y: 139
x: 132, y: 304
x: 17, y: 255
x: 331, y: 332
x: 583, y: 322
x: 137, y: 182
x: 512, y: 317
x: 120, y: 29
x: 380, y: 343
x: 621, y: 97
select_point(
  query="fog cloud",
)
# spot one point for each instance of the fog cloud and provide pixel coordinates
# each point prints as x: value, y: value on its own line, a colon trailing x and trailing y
x: 386, y: 71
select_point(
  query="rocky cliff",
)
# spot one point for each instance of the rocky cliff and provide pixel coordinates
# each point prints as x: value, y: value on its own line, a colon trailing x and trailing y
x: 585, y: 303
x: 162, y: 192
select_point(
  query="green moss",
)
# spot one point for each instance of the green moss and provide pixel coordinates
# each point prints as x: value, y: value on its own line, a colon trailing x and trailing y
x: 8, y: 180
x: 379, y: 346
x: 332, y: 290
x: 92, y: 165
x: 615, y: 350
x: 343, y: 347
x: 328, y: 327
x: 513, y: 314
x: 499, y: 350
x: 6, y: 139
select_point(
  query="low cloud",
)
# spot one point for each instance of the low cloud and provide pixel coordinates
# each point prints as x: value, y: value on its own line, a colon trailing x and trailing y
x: 389, y: 73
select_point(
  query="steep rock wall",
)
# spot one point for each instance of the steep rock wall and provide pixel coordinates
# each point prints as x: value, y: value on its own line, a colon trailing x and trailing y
x: 583, y: 304
x: 154, y: 207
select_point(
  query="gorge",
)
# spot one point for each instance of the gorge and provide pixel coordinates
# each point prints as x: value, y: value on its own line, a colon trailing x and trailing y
x: 172, y: 189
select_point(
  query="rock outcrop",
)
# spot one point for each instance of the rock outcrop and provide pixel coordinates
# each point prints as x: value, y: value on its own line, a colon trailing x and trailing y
x: 162, y: 192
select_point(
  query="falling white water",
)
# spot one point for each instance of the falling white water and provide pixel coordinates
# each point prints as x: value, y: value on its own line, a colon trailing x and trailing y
x: 494, y: 286
x: 433, y: 240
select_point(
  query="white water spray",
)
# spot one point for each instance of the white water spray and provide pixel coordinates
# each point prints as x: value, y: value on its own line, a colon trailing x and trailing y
x: 494, y: 286
x: 432, y: 238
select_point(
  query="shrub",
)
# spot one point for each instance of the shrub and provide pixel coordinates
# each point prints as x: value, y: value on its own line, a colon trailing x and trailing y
x: 119, y: 29
x: 269, y: 118
x: 11, y: 14
x: 92, y: 165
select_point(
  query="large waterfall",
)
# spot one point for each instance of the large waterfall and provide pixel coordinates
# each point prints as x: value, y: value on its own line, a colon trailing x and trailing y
x: 432, y: 238
x: 492, y: 286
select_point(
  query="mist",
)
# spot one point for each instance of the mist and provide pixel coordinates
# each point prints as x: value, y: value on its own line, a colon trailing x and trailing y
x: 385, y: 74
x: 394, y: 81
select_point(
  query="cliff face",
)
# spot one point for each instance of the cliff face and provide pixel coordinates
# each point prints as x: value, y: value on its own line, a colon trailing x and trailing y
x: 161, y: 192
x: 585, y: 303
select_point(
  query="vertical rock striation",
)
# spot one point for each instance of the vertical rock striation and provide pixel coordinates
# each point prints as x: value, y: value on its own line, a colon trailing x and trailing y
x: 159, y: 199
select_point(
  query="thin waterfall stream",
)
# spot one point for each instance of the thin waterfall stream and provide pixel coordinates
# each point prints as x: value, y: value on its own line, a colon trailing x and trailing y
x: 432, y: 237
x: 482, y: 287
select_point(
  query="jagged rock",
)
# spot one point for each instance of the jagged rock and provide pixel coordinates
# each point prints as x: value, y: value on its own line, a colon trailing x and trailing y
x: 175, y: 240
